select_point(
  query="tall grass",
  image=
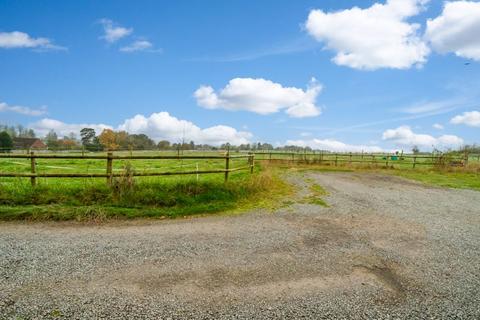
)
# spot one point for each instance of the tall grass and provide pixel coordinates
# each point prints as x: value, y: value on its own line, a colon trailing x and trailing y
x: 87, y: 199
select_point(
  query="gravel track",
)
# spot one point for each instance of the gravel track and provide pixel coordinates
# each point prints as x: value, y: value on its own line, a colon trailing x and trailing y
x: 385, y: 248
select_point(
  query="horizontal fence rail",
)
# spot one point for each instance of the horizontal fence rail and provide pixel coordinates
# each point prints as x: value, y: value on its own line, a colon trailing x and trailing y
x: 110, y: 157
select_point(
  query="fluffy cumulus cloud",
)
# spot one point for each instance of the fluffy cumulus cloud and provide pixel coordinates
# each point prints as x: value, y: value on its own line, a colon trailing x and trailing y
x: 17, y: 39
x: 471, y: 119
x: 376, y: 37
x: 261, y: 96
x: 438, y: 126
x: 43, y: 126
x: 158, y: 126
x: 113, y: 32
x: 4, y: 107
x: 456, y: 29
x: 333, y: 145
x: 404, y: 136
x: 163, y: 126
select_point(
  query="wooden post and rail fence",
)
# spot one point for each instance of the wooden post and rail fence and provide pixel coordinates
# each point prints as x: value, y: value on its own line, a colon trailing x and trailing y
x: 319, y: 157
x: 388, y: 160
x: 110, y: 157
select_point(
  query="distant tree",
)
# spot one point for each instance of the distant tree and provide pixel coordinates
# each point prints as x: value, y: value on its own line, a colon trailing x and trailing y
x: 415, y: 150
x: 68, y: 142
x: 163, y: 145
x: 87, y: 135
x: 31, y: 133
x: 51, y: 140
x: 121, y: 139
x: 71, y: 136
x: 108, y: 139
x: 140, y: 142
x: 6, y: 142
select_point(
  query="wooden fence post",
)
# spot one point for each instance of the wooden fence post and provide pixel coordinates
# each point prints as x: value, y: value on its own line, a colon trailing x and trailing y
x: 336, y: 159
x: 109, y: 168
x: 252, y: 162
x: 350, y: 161
x: 33, y: 166
x: 414, y: 161
x: 227, y: 164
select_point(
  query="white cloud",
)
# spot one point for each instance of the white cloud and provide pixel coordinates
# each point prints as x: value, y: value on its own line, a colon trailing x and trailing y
x: 434, y: 107
x: 376, y: 37
x: 17, y: 39
x: 163, y: 126
x: 113, y: 32
x: 261, y: 96
x: 404, y: 136
x: 333, y: 145
x: 140, y: 45
x: 471, y: 119
x: 158, y: 126
x: 43, y: 126
x: 456, y: 29
x: 4, y: 107
x: 438, y: 126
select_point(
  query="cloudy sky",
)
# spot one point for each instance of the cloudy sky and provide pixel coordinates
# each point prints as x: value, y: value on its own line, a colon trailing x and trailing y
x: 331, y: 74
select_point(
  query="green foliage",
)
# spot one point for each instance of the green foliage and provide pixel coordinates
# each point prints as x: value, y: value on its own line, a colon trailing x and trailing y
x: 6, y: 142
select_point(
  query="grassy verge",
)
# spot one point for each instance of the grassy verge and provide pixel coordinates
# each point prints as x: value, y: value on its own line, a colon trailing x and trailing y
x: 450, y: 179
x: 460, y: 178
x: 147, y: 198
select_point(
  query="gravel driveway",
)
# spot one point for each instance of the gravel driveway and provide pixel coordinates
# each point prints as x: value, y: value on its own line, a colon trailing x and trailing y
x: 384, y: 248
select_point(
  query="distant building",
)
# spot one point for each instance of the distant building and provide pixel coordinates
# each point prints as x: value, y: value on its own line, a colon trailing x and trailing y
x: 28, y: 143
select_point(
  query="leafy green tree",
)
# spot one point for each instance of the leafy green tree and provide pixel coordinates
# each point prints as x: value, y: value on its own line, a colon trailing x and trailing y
x: 89, y: 140
x: 163, y: 145
x: 140, y: 142
x: 51, y: 140
x: 87, y: 135
x: 6, y: 143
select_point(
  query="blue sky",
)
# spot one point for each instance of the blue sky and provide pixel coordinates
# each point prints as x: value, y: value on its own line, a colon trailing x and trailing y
x: 64, y: 71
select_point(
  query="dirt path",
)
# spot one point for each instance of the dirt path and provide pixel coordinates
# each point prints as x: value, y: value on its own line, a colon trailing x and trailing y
x: 384, y: 247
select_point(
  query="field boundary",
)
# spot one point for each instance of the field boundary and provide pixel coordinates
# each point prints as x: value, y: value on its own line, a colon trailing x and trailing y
x: 110, y: 157
x: 370, y: 158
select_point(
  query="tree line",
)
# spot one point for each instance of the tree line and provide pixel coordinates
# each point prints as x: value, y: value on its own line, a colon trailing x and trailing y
x: 110, y: 140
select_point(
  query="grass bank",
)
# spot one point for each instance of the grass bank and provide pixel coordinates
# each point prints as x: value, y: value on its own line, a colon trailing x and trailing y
x: 139, y: 198
x: 459, y: 178
x: 450, y: 179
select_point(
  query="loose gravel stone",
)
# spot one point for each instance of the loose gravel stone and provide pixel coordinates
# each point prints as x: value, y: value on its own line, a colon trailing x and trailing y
x: 385, y: 248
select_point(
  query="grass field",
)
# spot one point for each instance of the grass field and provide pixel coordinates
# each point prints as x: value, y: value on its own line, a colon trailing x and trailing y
x: 174, y: 196
x: 164, y: 196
